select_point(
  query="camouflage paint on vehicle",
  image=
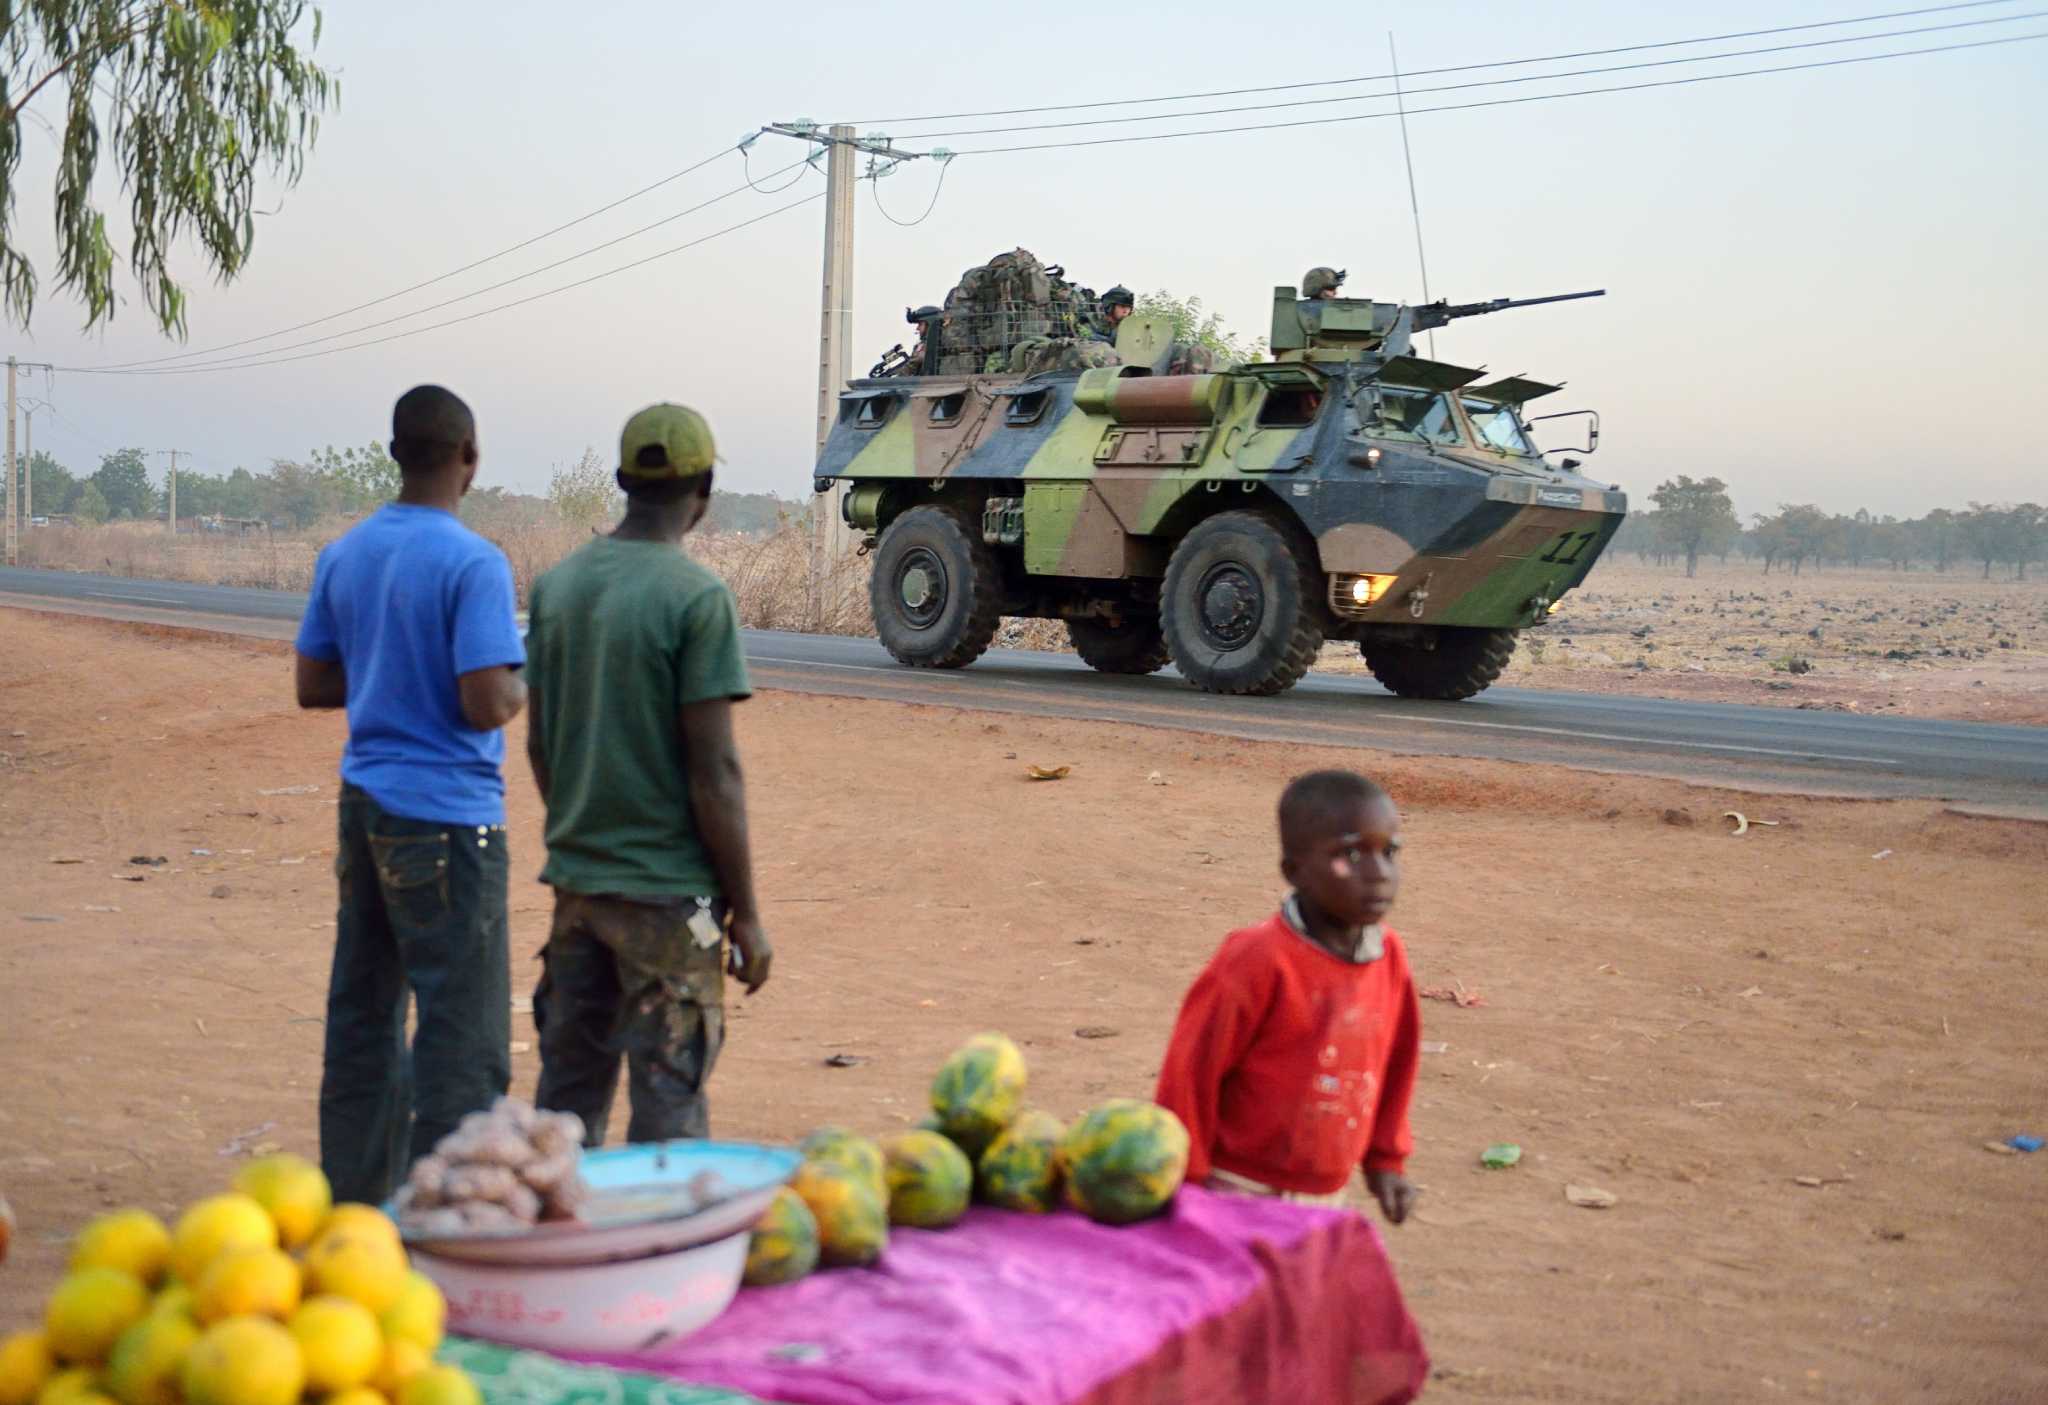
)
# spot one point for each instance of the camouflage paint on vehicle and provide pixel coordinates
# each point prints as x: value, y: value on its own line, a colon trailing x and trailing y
x: 1106, y: 469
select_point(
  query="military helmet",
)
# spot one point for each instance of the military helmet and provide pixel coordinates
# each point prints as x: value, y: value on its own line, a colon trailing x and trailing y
x: 1319, y: 280
x: 1119, y: 296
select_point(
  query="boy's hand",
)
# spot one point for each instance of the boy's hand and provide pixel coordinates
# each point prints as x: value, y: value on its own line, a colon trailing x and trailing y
x: 750, y: 955
x: 1395, y: 1193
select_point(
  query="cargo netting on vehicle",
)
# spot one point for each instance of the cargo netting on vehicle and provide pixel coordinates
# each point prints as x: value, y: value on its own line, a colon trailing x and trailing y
x: 970, y: 339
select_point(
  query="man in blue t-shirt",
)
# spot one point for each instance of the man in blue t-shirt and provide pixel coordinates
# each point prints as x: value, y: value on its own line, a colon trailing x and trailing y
x: 411, y: 627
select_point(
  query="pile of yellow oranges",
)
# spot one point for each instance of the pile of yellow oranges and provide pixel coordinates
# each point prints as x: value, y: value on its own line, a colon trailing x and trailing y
x: 268, y: 1295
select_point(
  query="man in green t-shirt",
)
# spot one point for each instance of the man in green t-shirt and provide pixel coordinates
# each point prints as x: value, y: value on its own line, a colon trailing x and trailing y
x: 634, y: 663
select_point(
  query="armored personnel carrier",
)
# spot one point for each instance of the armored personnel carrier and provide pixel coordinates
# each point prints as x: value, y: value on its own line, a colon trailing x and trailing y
x: 1230, y: 521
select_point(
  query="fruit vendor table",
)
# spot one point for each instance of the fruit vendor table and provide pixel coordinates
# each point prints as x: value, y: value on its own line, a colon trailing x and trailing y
x: 1221, y: 1299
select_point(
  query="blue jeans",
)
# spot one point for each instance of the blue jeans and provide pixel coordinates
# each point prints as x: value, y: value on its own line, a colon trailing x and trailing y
x: 422, y: 916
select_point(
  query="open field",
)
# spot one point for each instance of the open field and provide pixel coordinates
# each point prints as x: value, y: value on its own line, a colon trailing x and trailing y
x: 1912, y: 643
x: 1688, y: 1020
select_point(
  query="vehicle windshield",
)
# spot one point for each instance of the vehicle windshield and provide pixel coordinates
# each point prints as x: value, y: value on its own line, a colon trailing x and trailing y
x: 1417, y: 414
x: 1499, y: 427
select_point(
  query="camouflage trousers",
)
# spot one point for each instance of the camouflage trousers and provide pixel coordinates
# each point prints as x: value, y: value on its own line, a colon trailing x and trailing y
x: 629, y: 979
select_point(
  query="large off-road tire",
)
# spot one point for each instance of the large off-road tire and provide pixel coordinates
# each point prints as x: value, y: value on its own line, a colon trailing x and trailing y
x: 1242, y: 605
x: 936, y: 590
x: 1138, y: 645
x: 1464, y: 662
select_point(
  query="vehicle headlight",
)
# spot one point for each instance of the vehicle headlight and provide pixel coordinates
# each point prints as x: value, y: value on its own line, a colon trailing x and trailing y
x: 1352, y: 595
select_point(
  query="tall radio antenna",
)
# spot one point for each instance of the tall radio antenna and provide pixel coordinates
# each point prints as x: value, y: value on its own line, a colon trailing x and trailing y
x: 1408, y: 158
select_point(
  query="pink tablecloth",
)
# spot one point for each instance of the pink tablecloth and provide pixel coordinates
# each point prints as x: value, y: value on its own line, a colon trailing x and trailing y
x: 1221, y: 1299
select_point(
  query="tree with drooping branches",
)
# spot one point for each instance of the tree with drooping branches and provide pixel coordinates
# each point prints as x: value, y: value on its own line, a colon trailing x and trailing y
x: 192, y: 103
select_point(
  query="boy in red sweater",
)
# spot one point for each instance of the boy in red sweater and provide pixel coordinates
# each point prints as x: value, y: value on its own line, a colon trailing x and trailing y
x: 1294, y: 1056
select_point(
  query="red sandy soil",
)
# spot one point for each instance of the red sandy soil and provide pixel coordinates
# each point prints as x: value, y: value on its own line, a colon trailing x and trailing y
x: 1691, y: 1021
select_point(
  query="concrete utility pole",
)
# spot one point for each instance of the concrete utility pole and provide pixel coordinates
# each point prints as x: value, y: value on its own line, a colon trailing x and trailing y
x: 831, y: 538
x: 13, y: 546
x: 171, y: 484
x: 28, y: 459
x: 835, y: 349
x: 13, y: 532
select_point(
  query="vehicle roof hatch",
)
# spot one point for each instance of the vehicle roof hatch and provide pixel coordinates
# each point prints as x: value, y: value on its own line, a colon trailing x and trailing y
x: 1424, y: 374
x: 1513, y: 390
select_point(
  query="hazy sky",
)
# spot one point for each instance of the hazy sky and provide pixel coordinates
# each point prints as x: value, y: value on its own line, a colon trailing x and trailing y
x: 1823, y: 286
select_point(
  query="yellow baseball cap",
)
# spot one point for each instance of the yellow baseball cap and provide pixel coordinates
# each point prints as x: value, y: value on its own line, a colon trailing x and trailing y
x: 666, y: 441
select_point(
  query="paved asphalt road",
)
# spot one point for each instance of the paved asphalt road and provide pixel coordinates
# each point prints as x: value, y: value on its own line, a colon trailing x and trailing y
x: 1967, y: 763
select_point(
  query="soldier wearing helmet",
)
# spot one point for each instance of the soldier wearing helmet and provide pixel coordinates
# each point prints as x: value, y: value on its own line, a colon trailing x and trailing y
x: 1116, y: 305
x: 1320, y: 284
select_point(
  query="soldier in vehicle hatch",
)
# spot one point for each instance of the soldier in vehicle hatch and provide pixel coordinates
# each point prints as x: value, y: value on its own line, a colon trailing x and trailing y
x: 1318, y: 286
x: 1116, y: 305
x: 1321, y: 284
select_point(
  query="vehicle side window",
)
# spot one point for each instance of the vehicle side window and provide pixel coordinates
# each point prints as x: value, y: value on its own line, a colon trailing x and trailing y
x: 1420, y: 414
x: 1026, y: 408
x: 872, y: 412
x: 1498, y: 427
x: 1290, y: 405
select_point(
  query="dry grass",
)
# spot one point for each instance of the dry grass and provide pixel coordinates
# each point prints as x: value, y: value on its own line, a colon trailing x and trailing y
x: 533, y: 547
x: 1049, y: 636
x: 768, y: 575
x: 145, y: 551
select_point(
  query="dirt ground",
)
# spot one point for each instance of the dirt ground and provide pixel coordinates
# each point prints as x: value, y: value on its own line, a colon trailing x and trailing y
x: 1784, y: 1054
x: 1902, y: 644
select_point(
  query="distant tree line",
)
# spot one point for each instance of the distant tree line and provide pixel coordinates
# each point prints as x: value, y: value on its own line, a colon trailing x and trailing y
x: 330, y: 483
x: 1690, y: 518
x: 290, y: 494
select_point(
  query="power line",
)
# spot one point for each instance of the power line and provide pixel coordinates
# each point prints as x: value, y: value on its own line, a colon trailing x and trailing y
x: 246, y: 363
x: 270, y: 356
x: 1484, y: 82
x: 438, y: 278
x: 747, y: 165
x: 876, y: 186
x: 140, y: 368
x: 1433, y: 72
x: 1503, y: 102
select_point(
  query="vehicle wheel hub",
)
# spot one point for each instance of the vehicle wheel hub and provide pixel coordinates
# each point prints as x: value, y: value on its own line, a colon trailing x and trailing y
x: 921, y: 586
x: 1231, y: 605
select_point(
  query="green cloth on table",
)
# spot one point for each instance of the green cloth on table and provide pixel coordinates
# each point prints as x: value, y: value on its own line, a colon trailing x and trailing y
x: 510, y: 1377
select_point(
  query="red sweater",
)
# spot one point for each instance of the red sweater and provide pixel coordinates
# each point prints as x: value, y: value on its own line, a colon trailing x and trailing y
x: 1293, y: 1066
